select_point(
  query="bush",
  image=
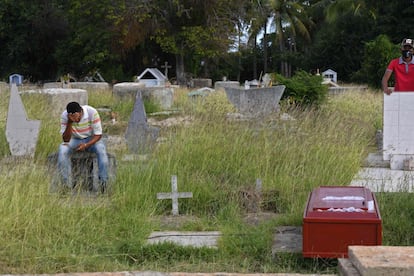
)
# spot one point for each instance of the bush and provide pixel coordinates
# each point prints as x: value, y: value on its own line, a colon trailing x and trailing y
x: 303, y: 88
x: 377, y: 55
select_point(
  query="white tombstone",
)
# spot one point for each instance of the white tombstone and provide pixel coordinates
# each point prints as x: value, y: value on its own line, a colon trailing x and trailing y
x: 398, y: 128
x: 21, y: 133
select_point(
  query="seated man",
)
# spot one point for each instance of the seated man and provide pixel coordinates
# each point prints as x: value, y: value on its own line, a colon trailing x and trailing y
x: 81, y: 130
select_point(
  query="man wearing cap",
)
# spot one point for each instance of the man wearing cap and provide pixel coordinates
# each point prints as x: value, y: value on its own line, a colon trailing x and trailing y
x: 403, y: 68
x: 81, y: 130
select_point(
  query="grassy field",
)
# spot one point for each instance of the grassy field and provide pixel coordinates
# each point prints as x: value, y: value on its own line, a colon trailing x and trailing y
x: 214, y: 157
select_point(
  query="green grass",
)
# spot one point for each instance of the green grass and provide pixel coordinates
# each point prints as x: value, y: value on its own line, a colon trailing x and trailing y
x: 215, y: 158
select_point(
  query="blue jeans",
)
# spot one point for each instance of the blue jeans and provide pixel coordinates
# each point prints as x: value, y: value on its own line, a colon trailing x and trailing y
x: 65, y: 164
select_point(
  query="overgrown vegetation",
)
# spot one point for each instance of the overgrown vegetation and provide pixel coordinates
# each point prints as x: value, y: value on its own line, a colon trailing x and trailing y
x: 214, y: 157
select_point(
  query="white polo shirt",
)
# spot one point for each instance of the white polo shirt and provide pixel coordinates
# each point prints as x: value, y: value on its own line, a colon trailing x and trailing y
x: 89, y: 125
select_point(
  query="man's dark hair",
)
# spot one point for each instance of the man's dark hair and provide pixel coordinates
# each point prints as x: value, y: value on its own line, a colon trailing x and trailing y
x: 73, y: 107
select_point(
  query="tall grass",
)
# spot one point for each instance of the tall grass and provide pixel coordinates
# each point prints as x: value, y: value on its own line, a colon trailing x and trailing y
x: 216, y: 158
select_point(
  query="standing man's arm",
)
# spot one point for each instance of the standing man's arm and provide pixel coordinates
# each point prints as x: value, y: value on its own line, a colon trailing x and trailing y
x: 384, y: 82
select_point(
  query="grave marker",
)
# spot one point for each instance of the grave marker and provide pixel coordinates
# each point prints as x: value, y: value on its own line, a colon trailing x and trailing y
x: 140, y: 137
x: 21, y: 133
x: 166, y: 66
x: 174, y: 195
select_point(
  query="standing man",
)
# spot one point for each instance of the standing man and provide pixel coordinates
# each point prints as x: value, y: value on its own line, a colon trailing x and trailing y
x: 403, y: 68
x: 81, y: 130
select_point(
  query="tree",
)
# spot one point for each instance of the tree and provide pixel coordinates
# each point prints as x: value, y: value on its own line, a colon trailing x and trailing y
x: 374, y: 65
x: 290, y: 20
x: 29, y: 35
x: 194, y: 28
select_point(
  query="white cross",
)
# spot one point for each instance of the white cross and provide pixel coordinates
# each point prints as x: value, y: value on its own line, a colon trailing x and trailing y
x: 166, y: 66
x: 174, y: 195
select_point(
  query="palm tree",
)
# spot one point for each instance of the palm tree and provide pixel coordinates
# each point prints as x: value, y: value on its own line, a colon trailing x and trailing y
x: 290, y: 20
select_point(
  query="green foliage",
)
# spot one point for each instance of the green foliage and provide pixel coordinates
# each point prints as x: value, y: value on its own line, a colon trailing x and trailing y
x: 377, y: 54
x: 303, y: 88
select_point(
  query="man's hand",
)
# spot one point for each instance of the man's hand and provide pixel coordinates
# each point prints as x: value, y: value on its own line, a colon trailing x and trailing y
x: 82, y: 147
x: 74, y: 117
x: 387, y: 91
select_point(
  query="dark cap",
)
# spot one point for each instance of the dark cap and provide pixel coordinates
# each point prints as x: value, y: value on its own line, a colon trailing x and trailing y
x: 407, y: 42
x: 73, y: 107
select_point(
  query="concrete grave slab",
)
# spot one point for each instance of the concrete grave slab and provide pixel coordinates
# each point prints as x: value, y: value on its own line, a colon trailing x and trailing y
x: 385, y: 180
x: 287, y: 239
x: 60, y: 97
x: 382, y: 260
x: 21, y: 133
x: 194, y: 239
x: 256, y: 101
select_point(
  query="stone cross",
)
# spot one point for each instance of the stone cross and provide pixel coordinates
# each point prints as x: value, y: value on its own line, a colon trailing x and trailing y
x: 174, y: 195
x: 166, y: 66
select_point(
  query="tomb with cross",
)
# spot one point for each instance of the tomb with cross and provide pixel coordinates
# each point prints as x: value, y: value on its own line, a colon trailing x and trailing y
x: 174, y: 195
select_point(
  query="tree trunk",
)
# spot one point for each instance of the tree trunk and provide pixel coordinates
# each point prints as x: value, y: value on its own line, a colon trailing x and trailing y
x: 179, y: 69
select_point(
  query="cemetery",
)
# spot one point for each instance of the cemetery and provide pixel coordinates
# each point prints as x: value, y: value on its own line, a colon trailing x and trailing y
x: 238, y: 181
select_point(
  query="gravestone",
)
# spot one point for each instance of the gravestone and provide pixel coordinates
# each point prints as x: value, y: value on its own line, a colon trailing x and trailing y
x: 140, y: 137
x: 398, y: 129
x: 21, y: 133
x: 224, y: 84
x: 126, y: 90
x: 201, y: 83
x: 256, y: 101
x: 174, y: 195
x: 60, y: 97
x: 84, y: 172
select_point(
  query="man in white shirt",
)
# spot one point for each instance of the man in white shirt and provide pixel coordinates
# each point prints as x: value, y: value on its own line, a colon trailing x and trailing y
x: 81, y: 130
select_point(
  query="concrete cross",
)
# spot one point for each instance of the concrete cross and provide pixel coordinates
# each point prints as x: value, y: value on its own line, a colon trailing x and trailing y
x: 174, y: 195
x: 166, y: 66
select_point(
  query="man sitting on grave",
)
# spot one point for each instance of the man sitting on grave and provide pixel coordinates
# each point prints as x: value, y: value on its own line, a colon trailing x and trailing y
x: 81, y: 130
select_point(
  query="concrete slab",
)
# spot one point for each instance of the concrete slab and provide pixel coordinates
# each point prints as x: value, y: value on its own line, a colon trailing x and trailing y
x: 287, y: 239
x: 382, y: 260
x: 346, y: 268
x: 187, y: 238
x: 385, y: 180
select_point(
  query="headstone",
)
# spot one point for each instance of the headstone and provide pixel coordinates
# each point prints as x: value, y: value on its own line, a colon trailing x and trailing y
x: 126, y: 90
x: 140, y: 136
x: 174, y: 195
x: 256, y: 101
x: 202, y: 83
x: 166, y: 67
x: 60, y: 97
x: 226, y: 83
x: 85, y: 172
x: 398, y: 129
x: 21, y: 133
